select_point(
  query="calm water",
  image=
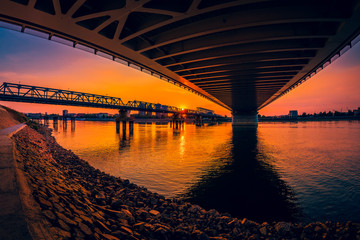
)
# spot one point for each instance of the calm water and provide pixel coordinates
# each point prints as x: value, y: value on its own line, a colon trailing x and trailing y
x: 306, y: 171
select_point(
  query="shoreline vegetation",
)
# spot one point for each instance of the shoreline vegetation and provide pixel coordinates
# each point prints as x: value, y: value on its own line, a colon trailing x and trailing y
x: 77, y: 201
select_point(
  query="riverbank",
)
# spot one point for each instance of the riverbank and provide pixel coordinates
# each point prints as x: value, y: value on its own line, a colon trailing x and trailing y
x: 80, y: 202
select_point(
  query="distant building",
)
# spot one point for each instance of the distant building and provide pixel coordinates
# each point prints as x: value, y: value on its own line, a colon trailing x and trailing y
x: 293, y: 113
x: 101, y: 115
x: 161, y: 115
x: 34, y: 115
x: 80, y: 115
x: 357, y: 112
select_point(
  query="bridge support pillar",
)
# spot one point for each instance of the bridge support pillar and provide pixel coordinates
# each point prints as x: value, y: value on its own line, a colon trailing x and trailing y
x: 131, y: 127
x: 124, y: 126
x: 244, y: 119
x: 64, y: 123
x: 199, y: 121
x: 117, y: 126
x: 72, y: 124
x: 55, y: 122
x: 46, y: 120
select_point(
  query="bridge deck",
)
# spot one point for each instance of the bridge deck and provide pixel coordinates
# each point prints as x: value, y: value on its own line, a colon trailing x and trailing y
x: 241, y: 54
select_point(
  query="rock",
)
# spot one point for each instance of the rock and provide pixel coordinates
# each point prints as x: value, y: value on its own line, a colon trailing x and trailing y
x: 99, y: 216
x: 127, y: 230
x: 49, y: 214
x: 197, y: 234
x: 263, y: 231
x: 154, y: 212
x: 102, y: 226
x: 153, y: 201
x: 65, y: 219
x: 283, y: 228
x: 127, y: 214
x: 321, y: 227
x: 78, y: 234
x: 85, y: 229
x: 248, y: 223
x: 194, y: 209
x: 61, y: 234
x: 213, y: 213
x: 142, y: 214
x: 86, y: 219
x: 63, y: 225
x: 139, y: 226
x: 218, y: 238
x: 121, y: 234
x: 45, y: 203
x: 58, y: 207
x: 117, y: 204
x: 109, y: 237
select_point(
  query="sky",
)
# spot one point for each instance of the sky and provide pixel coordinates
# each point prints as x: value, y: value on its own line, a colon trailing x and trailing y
x: 35, y: 61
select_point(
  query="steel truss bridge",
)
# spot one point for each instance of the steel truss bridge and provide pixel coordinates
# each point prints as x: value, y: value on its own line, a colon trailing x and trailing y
x: 34, y: 94
x: 241, y: 54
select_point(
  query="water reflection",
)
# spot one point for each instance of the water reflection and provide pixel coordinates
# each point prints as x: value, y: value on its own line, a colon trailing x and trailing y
x: 241, y: 171
x: 243, y: 184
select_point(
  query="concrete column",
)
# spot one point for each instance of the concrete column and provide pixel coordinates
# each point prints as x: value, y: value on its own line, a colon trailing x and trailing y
x: 244, y: 119
x: 117, y: 126
x: 65, y: 123
x: 55, y: 119
x: 199, y: 121
x: 55, y: 122
x: 131, y: 127
x: 72, y: 124
x: 124, y: 126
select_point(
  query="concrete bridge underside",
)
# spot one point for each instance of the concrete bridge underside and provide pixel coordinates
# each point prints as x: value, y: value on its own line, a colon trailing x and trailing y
x: 240, y: 54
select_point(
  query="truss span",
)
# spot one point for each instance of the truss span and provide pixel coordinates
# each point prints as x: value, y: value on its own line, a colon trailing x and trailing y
x: 241, y: 54
x: 35, y: 94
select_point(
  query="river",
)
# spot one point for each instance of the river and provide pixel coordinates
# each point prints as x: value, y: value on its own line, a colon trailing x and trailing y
x: 305, y: 171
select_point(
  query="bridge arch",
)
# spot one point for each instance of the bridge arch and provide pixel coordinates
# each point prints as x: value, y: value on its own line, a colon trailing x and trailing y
x: 241, y: 54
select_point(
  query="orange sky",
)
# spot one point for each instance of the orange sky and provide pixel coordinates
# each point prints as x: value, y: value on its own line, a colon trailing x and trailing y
x: 336, y: 87
x: 35, y: 61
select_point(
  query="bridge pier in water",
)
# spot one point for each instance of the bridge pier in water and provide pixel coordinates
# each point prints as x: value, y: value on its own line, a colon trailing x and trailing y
x: 244, y: 119
x: 177, y: 121
x: 124, y: 117
x: 56, y: 122
x: 46, y: 120
x: 199, y: 121
x: 72, y: 124
x: 64, y: 122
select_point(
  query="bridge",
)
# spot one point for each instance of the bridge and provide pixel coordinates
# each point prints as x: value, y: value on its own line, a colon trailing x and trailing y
x: 240, y: 54
x: 35, y: 94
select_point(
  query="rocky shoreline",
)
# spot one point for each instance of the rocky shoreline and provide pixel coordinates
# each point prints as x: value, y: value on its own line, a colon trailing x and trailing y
x: 78, y: 201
